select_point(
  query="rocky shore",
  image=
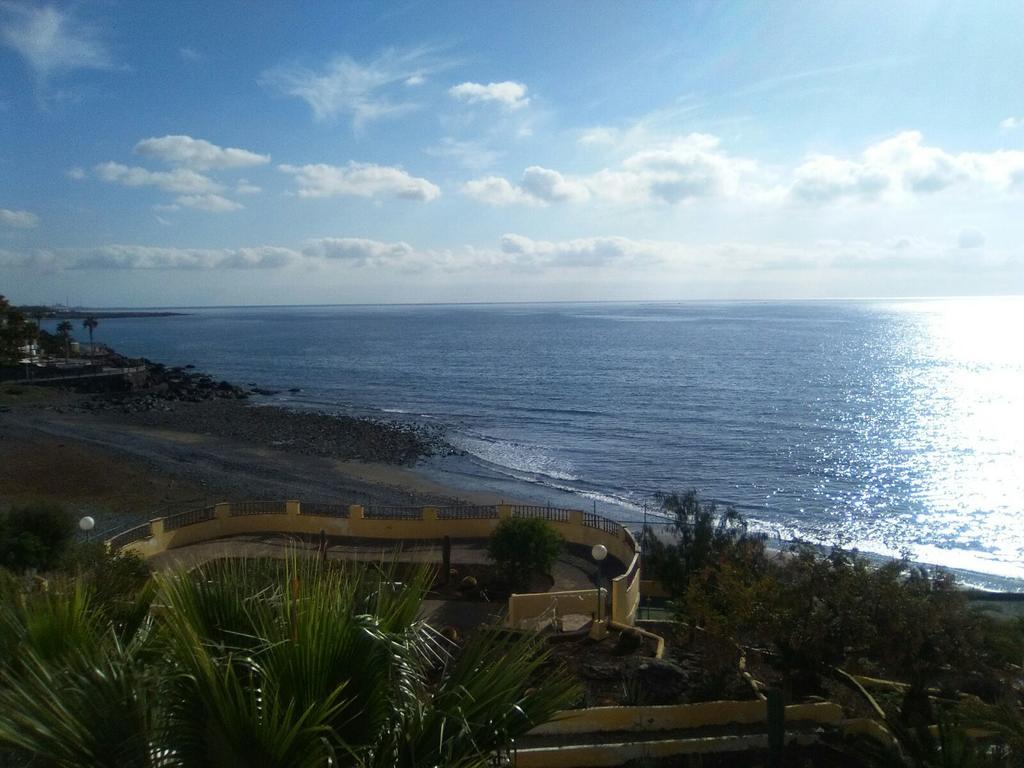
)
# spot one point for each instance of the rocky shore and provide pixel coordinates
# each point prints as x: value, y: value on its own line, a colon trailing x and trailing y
x: 185, y: 400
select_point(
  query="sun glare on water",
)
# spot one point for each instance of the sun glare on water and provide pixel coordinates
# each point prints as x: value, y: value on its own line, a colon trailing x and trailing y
x: 965, y: 362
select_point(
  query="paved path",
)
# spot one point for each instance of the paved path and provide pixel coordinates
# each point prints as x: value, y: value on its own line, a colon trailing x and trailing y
x: 569, y: 572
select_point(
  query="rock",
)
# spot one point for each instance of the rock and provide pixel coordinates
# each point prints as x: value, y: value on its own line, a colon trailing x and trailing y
x: 629, y: 641
x: 657, y: 681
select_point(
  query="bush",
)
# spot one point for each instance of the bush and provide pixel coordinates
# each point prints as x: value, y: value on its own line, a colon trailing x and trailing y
x: 35, y: 536
x: 114, y: 579
x: 522, y: 546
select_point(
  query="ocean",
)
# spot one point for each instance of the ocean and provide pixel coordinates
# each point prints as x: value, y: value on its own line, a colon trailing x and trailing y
x: 893, y: 426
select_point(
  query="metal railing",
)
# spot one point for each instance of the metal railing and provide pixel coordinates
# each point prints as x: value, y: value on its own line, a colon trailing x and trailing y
x: 468, y: 512
x: 593, y: 520
x: 322, y: 509
x: 240, y: 508
x: 189, y: 517
x: 138, y: 533
x: 393, y: 513
x: 554, y: 514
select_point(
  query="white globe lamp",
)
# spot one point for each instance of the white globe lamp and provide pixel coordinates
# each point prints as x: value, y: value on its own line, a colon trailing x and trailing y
x: 86, y: 523
x: 599, y: 552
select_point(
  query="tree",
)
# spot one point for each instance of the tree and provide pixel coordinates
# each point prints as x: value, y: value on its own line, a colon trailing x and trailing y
x: 522, y: 546
x: 34, y: 535
x: 255, y: 662
x: 14, y: 332
x: 90, y: 324
x: 64, y: 331
x: 703, y: 535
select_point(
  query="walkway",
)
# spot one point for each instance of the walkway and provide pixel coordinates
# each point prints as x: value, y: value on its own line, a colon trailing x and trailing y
x: 569, y: 572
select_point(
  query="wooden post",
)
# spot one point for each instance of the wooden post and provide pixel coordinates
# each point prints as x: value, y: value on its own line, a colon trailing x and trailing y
x: 776, y: 726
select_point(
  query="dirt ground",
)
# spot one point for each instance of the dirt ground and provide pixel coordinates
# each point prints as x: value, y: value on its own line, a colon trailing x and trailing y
x: 122, y: 473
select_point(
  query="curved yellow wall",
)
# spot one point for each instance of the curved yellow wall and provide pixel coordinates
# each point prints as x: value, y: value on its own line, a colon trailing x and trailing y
x: 426, y: 523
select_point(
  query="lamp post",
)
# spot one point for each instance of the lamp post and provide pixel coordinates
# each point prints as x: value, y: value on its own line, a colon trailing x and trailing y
x: 86, y: 524
x: 599, y: 552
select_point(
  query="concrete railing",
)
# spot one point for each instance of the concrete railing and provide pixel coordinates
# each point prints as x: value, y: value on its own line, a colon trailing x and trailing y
x: 672, y: 731
x: 428, y: 523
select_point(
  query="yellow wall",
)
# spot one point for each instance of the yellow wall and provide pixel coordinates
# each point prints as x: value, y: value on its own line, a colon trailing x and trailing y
x: 526, y: 608
x: 681, y: 716
x: 625, y: 589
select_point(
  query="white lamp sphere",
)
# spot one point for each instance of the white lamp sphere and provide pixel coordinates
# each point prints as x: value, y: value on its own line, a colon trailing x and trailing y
x: 86, y: 523
x: 599, y: 552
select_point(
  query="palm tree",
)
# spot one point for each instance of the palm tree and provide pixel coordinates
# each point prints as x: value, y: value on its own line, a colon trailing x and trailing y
x: 254, y: 662
x: 64, y: 331
x: 90, y: 324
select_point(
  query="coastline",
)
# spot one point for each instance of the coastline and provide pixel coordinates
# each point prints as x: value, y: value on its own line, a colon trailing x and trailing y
x: 124, y: 465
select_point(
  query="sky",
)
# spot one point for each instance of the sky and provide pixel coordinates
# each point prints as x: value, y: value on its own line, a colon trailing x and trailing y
x: 227, y: 153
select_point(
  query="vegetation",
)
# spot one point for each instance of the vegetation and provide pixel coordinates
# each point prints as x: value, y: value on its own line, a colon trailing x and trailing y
x: 523, y: 546
x: 811, y: 614
x: 64, y: 332
x: 35, y: 535
x: 252, y: 662
x: 90, y: 324
x: 15, y: 332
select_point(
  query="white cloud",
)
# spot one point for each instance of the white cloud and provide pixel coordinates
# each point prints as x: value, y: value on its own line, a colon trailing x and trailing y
x: 211, y: 203
x: 1011, y: 123
x: 903, y: 166
x: 495, y: 190
x: 358, y: 251
x: 685, y: 169
x: 360, y: 180
x: 822, y: 178
x: 550, y: 186
x: 141, y: 257
x: 469, y: 154
x: 970, y: 237
x: 509, y: 94
x: 180, y: 180
x: 415, y: 80
x: 346, y: 87
x: 76, y: 173
x: 660, y: 259
x: 18, y: 219
x: 688, y: 168
x: 198, y: 154
x: 51, y: 41
x: 582, y: 252
x: 539, y: 186
x: 190, y: 54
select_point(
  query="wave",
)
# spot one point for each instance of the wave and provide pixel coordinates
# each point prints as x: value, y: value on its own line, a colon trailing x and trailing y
x: 512, y: 456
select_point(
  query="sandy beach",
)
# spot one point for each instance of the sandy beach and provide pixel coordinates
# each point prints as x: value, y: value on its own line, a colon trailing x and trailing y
x: 123, y: 466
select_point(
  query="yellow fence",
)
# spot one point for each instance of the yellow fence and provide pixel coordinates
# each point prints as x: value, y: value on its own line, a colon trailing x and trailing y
x: 429, y: 523
x: 676, y: 719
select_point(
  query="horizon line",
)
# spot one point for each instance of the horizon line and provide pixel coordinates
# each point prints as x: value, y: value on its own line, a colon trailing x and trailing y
x: 547, y: 302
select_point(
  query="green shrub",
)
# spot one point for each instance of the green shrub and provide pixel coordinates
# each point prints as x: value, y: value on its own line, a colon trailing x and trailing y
x: 522, y: 546
x: 35, y: 535
x: 114, y: 579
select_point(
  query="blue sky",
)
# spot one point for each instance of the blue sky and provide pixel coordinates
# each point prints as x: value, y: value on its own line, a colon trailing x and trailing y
x: 234, y: 152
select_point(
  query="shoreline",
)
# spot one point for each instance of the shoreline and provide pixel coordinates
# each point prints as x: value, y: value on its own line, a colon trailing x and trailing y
x: 201, y: 440
x: 125, y: 468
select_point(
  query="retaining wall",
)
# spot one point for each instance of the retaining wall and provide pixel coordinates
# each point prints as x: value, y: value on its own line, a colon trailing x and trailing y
x: 407, y: 523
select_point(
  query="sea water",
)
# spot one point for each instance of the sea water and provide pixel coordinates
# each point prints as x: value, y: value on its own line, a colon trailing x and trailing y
x: 891, y: 426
